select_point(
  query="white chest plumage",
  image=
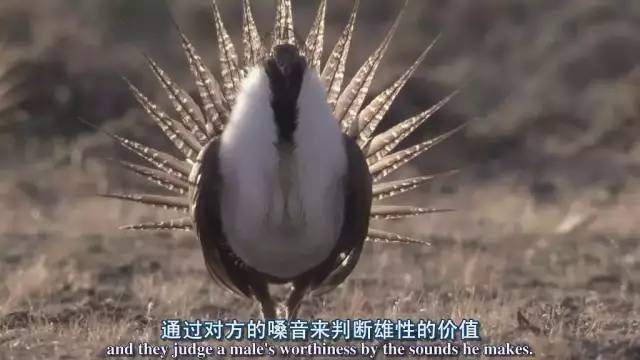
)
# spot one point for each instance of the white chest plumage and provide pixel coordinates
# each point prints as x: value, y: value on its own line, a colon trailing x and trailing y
x: 282, y: 207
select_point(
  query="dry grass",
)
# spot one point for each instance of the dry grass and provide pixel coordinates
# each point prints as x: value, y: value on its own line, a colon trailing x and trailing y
x: 569, y: 287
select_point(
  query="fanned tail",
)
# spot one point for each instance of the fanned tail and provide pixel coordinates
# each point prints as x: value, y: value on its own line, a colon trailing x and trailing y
x: 196, y: 126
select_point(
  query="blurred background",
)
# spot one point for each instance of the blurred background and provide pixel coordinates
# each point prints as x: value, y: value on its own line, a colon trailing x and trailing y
x: 548, y: 196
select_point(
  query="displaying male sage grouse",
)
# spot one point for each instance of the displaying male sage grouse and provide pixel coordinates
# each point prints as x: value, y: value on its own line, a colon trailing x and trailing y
x: 279, y: 163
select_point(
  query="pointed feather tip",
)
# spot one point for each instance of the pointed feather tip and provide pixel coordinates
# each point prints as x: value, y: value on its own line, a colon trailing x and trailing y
x: 396, y: 23
x: 418, y: 242
x: 88, y: 123
x: 429, y: 47
x: 447, y: 173
x: 214, y: 5
x: 437, y: 38
x: 172, y: 18
x: 391, y: 32
x: 382, y: 213
x: 184, y: 39
x: 456, y: 130
x: 187, y: 46
x: 402, y: 131
x: 403, y: 241
x: 284, y: 26
x: 445, y: 136
x: 129, y: 227
x: 138, y: 227
x: 217, y: 15
x: 386, y: 165
x: 372, y: 115
x: 99, y: 129
x: 132, y: 88
x: 438, y: 211
x: 115, y: 162
x: 452, y: 95
x: 154, y: 65
x: 153, y: 227
x: 116, y: 196
x: 126, y: 80
x: 354, y: 12
x: 113, y: 196
x: 155, y: 68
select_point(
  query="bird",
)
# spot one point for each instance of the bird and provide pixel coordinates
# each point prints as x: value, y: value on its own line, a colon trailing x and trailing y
x: 281, y: 166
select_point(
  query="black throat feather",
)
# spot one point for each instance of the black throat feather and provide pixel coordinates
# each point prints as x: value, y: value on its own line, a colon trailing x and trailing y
x: 285, y: 69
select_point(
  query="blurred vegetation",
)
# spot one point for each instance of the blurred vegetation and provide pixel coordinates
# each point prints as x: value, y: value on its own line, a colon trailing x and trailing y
x: 543, y: 82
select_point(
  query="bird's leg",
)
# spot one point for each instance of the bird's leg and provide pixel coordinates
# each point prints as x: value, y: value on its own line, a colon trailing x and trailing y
x: 268, y: 306
x: 295, y: 298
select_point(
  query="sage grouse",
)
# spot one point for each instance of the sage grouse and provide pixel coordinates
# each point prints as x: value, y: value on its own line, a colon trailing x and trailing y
x: 279, y: 163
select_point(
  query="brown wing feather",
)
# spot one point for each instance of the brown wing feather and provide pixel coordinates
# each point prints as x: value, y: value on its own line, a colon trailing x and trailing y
x: 356, y: 222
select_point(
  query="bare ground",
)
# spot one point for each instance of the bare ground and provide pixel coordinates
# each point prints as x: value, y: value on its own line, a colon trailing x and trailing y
x: 562, y: 277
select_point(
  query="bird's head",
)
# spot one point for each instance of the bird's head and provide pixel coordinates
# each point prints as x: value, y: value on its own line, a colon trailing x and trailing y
x: 285, y: 61
x: 285, y: 69
x: 283, y: 102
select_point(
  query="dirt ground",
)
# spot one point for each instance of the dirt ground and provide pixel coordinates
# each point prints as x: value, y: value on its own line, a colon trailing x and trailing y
x: 543, y: 248
x: 561, y: 278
